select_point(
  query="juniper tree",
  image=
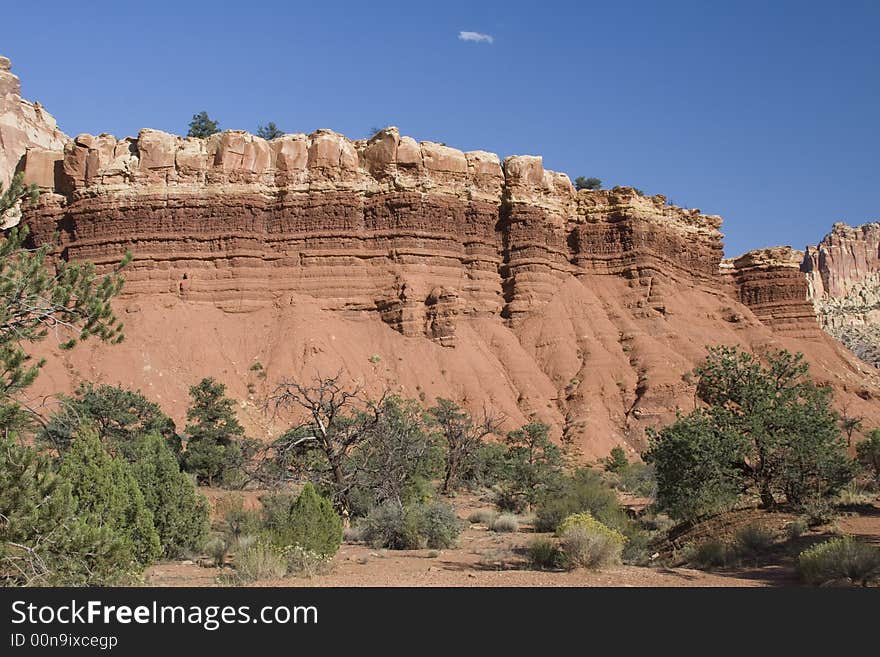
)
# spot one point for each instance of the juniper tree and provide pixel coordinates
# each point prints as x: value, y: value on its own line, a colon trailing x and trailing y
x: 766, y: 429
x: 44, y: 539
x: 180, y: 512
x: 107, y: 494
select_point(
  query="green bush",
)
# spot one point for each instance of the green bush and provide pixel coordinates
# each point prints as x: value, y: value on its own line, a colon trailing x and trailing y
x: 587, y: 543
x: 505, y: 523
x: 411, y: 527
x: 44, y: 541
x: 439, y: 525
x: 582, y: 492
x: 311, y: 523
x: 107, y: 494
x: 842, y: 558
x: 616, y: 460
x: 392, y: 526
x: 543, y: 554
x: 180, y: 512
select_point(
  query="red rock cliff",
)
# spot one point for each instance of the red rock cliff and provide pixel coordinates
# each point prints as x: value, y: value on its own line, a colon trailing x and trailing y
x: 415, y: 267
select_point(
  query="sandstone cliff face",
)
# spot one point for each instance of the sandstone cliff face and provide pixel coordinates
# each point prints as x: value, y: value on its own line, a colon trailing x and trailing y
x: 24, y: 127
x: 417, y: 268
x: 769, y: 281
x: 843, y: 277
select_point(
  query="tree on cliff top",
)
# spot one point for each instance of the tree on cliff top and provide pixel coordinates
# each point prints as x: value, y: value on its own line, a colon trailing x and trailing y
x: 269, y: 131
x: 202, y: 126
x: 587, y: 183
x: 70, y: 300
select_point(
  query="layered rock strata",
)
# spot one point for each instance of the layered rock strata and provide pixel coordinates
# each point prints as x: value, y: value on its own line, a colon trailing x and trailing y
x: 843, y: 278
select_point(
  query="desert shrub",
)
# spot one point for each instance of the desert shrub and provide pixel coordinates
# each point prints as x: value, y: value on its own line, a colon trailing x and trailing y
x: 261, y: 561
x: 439, y: 525
x: 753, y: 540
x: 483, y: 517
x: 543, y: 554
x: 817, y: 511
x: 236, y: 519
x: 587, y: 543
x: 310, y: 523
x: 393, y: 526
x: 582, y: 492
x: 217, y: 548
x: 303, y: 562
x: 107, y: 495
x: 411, y: 527
x: 505, y: 523
x: 180, y: 512
x: 708, y: 554
x: 352, y: 534
x: 839, y: 559
x: 796, y: 528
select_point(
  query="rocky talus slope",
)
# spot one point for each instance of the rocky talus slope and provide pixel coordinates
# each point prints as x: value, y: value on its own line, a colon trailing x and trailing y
x: 413, y: 267
x: 843, y: 274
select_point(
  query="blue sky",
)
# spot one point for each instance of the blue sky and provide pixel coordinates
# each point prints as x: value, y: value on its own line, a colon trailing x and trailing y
x: 763, y: 112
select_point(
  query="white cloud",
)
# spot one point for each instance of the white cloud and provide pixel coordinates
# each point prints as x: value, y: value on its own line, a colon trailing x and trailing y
x: 476, y: 37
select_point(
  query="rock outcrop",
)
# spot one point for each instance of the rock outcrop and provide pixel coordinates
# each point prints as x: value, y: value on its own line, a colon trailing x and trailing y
x: 843, y: 278
x: 769, y: 281
x: 25, y: 127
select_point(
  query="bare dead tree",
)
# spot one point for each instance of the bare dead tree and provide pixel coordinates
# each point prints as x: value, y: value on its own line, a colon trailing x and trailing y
x: 850, y: 424
x: 338, y: 420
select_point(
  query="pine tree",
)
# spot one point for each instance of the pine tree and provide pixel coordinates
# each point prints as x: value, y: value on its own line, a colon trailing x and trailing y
x: 202, y: 126
x: 119, y: 416
x: 70, y: 299
x: 107, y: 495
x: 214, y: 434
x: 269, y: 131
